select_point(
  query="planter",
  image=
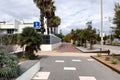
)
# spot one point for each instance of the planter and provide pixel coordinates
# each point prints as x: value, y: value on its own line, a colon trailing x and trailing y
x: 29, y: 69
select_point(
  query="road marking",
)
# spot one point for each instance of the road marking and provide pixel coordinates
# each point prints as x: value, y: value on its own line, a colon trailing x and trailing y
x: 41, y: 75
x: 90, y: 59
x: 61, y: 61
x: 69, y: 68
x: 87, y: 78
x: 75, y: 60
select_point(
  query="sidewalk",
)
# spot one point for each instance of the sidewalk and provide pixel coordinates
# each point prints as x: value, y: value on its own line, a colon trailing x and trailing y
x: 66, y: 49
x: 87, y: 50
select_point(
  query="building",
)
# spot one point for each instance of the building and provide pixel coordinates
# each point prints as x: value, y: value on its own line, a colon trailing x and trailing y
x: 50, y: 42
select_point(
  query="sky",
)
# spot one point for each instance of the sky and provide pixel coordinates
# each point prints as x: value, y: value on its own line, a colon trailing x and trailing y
x: 74, y: 14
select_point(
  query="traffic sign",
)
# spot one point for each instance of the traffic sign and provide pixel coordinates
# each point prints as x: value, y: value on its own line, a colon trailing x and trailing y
x: 36, y: 25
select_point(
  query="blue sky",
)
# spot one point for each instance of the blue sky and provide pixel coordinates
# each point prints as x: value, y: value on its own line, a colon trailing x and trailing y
x: 73, y: 13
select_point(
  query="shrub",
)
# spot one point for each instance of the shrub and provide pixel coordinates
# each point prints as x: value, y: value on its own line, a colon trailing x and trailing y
x: 31, y: 40
x: 113, y: 54
x: 107, y: 58
x: 114, y: 61
x: 99, y: 55
x: 30, y: 56
x: 9, y: 67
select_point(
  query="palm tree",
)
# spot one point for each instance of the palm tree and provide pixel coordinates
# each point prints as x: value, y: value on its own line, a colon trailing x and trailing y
x: 49, y: 12
x: 31, y: 39
x: 41, y: 5
x: 54, y: 22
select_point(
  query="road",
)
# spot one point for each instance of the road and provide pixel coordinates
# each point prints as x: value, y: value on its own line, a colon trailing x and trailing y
x: 73, y: 68
x: 113, y: 49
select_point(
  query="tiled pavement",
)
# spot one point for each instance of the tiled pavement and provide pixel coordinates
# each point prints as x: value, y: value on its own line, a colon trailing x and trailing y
x: 66, y: 49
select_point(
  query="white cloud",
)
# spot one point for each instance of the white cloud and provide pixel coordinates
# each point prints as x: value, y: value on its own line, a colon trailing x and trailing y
x: 73, y: 13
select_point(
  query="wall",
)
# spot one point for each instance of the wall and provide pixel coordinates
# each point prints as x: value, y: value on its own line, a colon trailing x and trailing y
x: 49, y: 47
x: 30, y: 73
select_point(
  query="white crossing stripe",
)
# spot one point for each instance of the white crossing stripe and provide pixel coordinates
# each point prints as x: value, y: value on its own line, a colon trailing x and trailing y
x: 90, y: 59
x: 69, y: 68
x: 75, y: 60
x: 41, y: 76
x: 87, y: 78
x: 59, y: 61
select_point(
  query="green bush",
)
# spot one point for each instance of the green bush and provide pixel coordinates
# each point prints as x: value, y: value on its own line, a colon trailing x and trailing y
x: 99, y: 55
x: 9, y: 67
x: 114, y: 61
x: 107, y: 58
x: 30, y: 56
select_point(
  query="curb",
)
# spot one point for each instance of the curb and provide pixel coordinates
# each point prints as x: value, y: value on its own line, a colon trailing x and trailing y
x: 91, y: 51
x: 116, y: 70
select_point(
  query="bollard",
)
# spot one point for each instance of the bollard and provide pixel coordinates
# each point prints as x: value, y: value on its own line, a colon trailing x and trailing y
x: 108, y: 52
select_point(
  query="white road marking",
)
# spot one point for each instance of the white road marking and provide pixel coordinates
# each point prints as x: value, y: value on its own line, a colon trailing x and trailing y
x: 42, y: 75
x: 90, y: 59
x: 59, y: 61
x: 75, y: 60
x: 69, y: 68
x: 87, y: 78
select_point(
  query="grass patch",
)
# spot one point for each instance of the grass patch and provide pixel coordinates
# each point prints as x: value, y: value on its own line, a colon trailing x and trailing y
x: 114, y: 61
x: 107, y: 58
x: 99, y: 55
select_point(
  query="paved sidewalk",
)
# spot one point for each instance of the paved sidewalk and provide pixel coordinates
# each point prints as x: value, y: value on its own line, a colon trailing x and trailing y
x: 87, y: 50
x: 66, y: 49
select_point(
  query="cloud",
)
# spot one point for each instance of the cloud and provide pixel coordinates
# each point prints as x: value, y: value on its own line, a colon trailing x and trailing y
x: 73, y: 13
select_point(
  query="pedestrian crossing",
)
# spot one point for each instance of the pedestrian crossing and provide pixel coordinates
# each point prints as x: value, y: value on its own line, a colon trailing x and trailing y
x: 76, y: 60
x: 59, y: 61
x: 41, y: 76
x: 87, y: 78
x: 69, y: 68
x: 45, y: 75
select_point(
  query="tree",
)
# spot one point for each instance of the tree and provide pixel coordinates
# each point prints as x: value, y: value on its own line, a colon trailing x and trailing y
x: 41, y: 5
x: 60, y: 35
x: 49, y: 12
x: 54, y: 22
x: 92, y: 35
x: 116, y: 20
x: 32, y: 40
x: 84, y: 36
x: 67, y: 38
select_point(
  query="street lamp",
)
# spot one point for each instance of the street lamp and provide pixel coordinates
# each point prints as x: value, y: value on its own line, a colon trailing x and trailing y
x: 101, y: 32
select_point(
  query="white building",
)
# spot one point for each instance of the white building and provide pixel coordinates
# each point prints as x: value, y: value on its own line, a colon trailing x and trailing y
x: 18, y: 26
x: 50, y: 42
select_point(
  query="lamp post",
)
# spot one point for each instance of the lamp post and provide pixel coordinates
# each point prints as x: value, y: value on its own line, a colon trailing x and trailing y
x: 101, y: 32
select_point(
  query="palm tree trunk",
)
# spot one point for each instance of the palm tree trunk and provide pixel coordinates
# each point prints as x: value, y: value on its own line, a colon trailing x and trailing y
x: 42, y: 20
x: 91, y: 44
x: 85, y: 44
x: 29, y: 50
x: 48, y: 31
x: 51, y: 30
x: 54, y: 30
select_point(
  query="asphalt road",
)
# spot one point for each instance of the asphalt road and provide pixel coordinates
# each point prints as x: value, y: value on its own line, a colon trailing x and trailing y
x: 75, y: 68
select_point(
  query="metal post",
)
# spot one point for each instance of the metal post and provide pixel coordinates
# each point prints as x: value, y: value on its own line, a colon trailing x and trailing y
x: 101, y: 25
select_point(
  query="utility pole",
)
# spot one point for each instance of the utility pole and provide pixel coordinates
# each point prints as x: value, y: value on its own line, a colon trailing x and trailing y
x: 101, y: 32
